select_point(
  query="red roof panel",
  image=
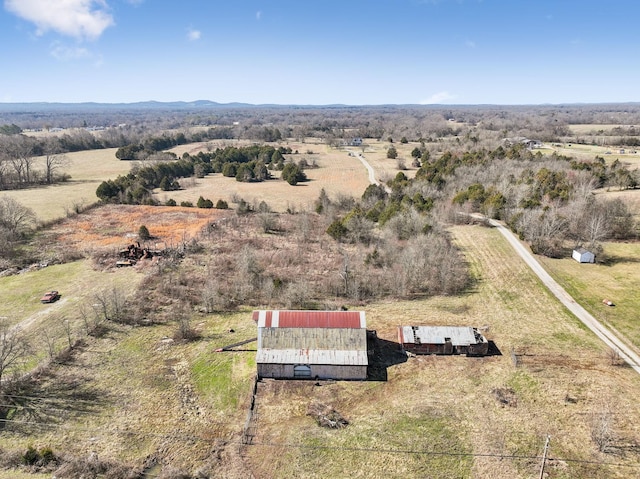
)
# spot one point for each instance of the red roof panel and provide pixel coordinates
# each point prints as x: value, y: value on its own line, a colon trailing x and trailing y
x: 311, y: 319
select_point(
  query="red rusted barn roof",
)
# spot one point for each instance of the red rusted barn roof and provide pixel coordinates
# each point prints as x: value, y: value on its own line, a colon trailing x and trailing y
x: 310, y: 319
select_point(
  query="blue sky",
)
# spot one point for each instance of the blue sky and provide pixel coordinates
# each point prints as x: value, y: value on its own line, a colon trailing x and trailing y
x: 357, y: 52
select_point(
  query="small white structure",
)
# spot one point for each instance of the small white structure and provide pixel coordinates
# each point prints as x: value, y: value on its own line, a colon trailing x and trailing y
x: 582, y: 255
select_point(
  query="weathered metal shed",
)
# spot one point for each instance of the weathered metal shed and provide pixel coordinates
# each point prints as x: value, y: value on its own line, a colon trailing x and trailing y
x: 311, y: 344
x: 443, y: 340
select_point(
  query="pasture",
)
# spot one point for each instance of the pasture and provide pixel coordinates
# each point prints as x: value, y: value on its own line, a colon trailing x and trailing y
x: 615, y: 276
x: 87, y: 170
x: 338, y: 172
x: 144, y: 395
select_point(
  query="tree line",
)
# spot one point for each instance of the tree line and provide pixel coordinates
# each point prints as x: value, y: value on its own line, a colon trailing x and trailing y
x: 245, y: 164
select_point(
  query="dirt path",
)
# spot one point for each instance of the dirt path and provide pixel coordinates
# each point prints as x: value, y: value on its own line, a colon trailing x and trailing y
x: 28, y: 322
x: 372, y: 174
x: 610, y: 339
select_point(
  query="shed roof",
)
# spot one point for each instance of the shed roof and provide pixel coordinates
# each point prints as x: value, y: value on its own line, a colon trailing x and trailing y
x: 310, y: 319
x: 336, y: 339
x: 312, y: 356
x: 458, y: 335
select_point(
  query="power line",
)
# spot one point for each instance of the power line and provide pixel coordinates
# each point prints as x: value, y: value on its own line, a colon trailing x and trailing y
x: 195, y: 438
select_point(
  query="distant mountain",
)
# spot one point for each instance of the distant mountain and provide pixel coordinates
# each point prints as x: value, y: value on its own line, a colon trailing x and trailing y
x: 142, y: 105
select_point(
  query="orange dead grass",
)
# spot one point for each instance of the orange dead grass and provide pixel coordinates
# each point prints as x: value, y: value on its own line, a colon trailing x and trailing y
x: 116, y: 225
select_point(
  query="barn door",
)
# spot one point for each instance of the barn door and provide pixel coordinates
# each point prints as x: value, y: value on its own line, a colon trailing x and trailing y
x: 301, y: 371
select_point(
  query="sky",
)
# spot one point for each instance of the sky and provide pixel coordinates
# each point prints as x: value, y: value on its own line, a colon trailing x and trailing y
x: 321, y: 52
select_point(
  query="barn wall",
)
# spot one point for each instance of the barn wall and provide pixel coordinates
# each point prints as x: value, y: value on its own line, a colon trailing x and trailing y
x: 480, y: 349
x: 321, y: 371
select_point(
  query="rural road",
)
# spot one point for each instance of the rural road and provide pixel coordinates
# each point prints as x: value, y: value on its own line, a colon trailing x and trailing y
x: 372, y: 174
x: 610, y: 339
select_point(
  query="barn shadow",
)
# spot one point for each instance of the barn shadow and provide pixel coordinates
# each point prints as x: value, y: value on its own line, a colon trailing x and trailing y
x: 382, y: 355
x: 493, y: 349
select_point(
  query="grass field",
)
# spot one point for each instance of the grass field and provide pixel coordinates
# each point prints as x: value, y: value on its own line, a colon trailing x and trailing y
x: 594, y: 128
x: 337, y: 173
x: 589, y: 152
x: 617, y: 279
x: 87, y: 169
x: 434, y: 410
x: 135, y: 393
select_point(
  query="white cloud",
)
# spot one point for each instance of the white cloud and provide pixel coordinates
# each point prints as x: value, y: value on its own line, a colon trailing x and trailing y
x: 439, y: 97
x: 470, y: 44
x: 258, y: 15
x: 194, y: 35
x: 66, y: 53
x: 82, y: 19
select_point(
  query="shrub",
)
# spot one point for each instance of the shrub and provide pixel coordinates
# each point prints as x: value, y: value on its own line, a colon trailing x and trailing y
x: 143, y: 233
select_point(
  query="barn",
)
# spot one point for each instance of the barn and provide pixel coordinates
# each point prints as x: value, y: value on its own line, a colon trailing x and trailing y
x: 582, y: 255
x: 443, y: 340
x: 311, y: 344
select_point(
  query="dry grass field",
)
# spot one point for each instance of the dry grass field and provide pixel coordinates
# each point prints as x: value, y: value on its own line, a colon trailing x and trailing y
x: 593, y: 129
x: 589, y: 152
x: 616, y: 277
x: 448, y: 416
x: 338, y: 173
x: 87, y: 169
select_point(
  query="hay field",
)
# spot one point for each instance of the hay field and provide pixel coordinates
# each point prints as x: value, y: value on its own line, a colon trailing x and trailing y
x: 337, y: 173
x: 87, y: 169
x: 609, y: 153
x: 594, y: 129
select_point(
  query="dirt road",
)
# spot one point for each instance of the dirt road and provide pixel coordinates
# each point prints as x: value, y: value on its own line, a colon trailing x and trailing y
x: 610, y: 339
x: 372, y: 174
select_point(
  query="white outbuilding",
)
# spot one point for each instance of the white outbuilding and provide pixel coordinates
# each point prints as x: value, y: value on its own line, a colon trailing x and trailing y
x: 582, y: 255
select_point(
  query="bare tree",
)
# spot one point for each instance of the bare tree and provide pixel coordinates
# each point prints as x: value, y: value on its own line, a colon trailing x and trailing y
x: 14, y: 217
x: 110, y: 305
x: 14, y: 348
x: 20, y: 151
x: 52, y: 164
x: 602, y: 428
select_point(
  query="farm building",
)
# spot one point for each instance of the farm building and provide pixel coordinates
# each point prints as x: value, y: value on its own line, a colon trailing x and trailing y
x: 311, y: 344
x: 582, y: 255
x: 443, y: 340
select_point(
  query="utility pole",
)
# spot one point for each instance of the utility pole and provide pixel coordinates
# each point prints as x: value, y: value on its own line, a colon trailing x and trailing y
x: 544, y: 456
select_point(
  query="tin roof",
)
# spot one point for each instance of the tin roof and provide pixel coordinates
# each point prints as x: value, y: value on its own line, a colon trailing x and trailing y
x: 458, y: 335
x: 310, y: 319
x: 312, y: 356
x: 336, y: 346
x: 337, y: 339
